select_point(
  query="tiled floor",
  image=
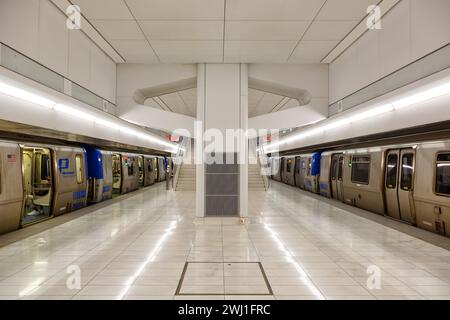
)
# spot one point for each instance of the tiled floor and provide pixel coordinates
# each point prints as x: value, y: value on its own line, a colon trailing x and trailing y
x: 137, y: 249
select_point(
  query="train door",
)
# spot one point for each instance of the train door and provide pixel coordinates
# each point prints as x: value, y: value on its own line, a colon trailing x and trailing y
x: 38, y: 184
x: 399, y: 184
x: 337, y: 167
x: 141, y: 170
x: 302, y: 172
x: 117, y: 173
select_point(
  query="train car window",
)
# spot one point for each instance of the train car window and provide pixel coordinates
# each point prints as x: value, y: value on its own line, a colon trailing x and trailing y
x: 333, y: 168
x: 360, y: 169
x: 407, y: 171
x: 309, y: 167
x: 45, y: 167
x: 340, y: 167
x: 79, y: 168
x: 130, y: 165
x: 391, y: 171
x: 443, y: 174
x: 289, y: 166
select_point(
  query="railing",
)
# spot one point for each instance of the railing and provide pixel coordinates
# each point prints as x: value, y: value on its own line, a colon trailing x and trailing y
x: 263, y: 162
x: 178, y: 161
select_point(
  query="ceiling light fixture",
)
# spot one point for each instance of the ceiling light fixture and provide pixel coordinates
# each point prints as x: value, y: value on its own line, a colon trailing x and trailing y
x: 25, y: 95
x: 74, y: 112
x: 425, y: 95
x: 99, y: 119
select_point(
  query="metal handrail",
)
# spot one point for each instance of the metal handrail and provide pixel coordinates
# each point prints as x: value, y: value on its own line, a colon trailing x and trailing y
x: 178, y: 162
x: 264, y: 176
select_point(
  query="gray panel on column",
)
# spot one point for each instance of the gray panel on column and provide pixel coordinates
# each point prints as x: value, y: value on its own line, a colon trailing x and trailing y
x: 222, y: 186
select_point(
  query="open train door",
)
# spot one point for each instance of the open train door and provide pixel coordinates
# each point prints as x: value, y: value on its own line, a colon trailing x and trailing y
x: 399, y: 184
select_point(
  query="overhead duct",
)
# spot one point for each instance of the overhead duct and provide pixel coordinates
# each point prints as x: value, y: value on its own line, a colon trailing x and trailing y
x: 143, y: 94
x: 302, y: 96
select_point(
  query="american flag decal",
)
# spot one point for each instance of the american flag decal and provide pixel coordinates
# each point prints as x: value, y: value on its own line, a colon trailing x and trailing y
x: 11, y: 158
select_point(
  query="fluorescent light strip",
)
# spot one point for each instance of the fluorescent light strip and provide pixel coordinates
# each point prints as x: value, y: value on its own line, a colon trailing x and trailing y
x: 425, y: 95
x: 37, y: 99
x: 428, y: 94
x: 25, y: 95
x: 73, y: 112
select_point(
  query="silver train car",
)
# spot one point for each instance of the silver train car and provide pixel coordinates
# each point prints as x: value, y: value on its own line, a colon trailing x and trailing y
x: 408, y: 182
x: 40, y: 181
x: 146, y: 166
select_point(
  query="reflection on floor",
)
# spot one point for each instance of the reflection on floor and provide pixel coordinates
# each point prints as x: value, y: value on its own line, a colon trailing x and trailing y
x: 137, y: 249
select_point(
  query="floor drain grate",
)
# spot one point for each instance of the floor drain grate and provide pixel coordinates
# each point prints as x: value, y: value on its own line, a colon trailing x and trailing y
x: 223, y: 278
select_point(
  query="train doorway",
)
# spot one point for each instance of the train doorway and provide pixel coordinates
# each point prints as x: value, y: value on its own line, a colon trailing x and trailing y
x: 38, y: 184
x: 399, y: 184
x: 337, y: 167
x: 117, y: 173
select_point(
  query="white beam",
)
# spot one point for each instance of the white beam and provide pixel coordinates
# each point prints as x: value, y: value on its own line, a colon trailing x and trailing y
x: 289, y: 118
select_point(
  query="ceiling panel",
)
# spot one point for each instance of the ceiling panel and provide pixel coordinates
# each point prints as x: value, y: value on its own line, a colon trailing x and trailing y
x: 174, y: 102
x: 135, y: 51
x: 272, y: 9
x: 118, y: 29
x: 265, y: 30
x: 176, y: 9
x: 290, y: 104
x: 152, y: 103
x: 311, y: 51
x: 188, y: 51
x: 254, y: 96
x: 190, y: 99
x: 329, y: 30
x: 266, y: 104
x: 104, y: 9
x: 345, y: 9
x: 258, y: 51
x: 183, y: 30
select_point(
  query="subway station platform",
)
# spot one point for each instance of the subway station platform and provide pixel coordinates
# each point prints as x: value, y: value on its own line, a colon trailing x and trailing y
x: 150, y: 245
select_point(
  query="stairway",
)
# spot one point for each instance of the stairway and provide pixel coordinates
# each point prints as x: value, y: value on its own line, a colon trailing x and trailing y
x: 186, y: 178
x: 255, y: 180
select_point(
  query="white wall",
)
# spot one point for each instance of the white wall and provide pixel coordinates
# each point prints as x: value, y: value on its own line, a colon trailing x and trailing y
x: 37, y: 28
x: 21, y: 111
x: 409, y: 31
x: 311, y: 77
x: 431, y: 111
x: 132, y: 77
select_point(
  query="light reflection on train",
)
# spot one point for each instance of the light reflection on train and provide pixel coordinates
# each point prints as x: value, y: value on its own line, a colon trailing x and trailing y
x: 406, y: 182
x: 39, y: 181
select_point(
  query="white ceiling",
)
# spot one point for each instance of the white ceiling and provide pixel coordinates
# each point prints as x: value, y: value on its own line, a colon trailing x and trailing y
x: 189, y: 31
x: 185, y: 102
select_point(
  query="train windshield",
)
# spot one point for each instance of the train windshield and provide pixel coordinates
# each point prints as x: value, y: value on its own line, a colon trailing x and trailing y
x: 38, y: 183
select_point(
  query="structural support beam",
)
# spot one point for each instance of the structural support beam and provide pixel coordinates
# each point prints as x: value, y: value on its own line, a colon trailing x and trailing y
x: 221, y: 142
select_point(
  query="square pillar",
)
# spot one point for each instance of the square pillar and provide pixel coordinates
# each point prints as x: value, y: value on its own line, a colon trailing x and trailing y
x: 222, y: 122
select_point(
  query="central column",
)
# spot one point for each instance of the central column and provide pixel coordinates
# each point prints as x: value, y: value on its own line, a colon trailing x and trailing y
x: 221, y: 141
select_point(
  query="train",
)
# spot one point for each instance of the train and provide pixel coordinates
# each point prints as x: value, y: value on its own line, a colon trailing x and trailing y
x: 41, y: 181
x: 408, y: 182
